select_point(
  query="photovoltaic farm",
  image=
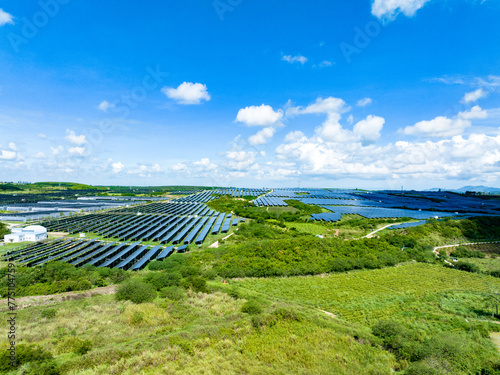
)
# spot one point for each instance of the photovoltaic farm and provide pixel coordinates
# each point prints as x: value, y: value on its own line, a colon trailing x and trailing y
x: 382, y: 204
x: 128, y: 235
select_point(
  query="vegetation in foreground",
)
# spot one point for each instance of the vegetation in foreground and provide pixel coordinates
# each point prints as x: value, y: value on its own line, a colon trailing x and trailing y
x: 185, y: 324
x: 433, y: 319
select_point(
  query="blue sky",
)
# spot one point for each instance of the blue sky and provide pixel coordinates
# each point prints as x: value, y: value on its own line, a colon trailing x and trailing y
x: 371, y: 94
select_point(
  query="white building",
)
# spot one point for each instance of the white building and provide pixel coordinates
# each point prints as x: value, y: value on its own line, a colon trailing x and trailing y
x: 31, y: 233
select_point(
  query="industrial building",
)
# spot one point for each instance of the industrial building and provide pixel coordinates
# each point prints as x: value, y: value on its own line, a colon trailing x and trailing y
x: 31, y: 233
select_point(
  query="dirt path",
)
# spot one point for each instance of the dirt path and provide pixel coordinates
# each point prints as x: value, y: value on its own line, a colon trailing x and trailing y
x: 435, y: 251
x: 23, y: 302
x: 328, y: 313
x: 495, y: 337
x: 369, y: 235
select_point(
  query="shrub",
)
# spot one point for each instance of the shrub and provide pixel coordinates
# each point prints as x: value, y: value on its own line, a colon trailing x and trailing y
x: 100, y: 282
x: 157, y: 265
x: 210, y: 274
x: 234, y: 292
x: 83, y: 347
x: 118, y: 275
x: 495, y: 273
x: 462, y: 252
x: 161, y: 279
x: 42, y: 368
x: 419, y: 368
x: 287, y: 314
x: 468, y: 267
x: 25, y: 354
x: 136, y: 290
x: 197, y: 283
x: 174, y: 293
x: 187, y: 271
x: 173, y: 263
x: 73, y: 344
x: 388, y: 328
x: 251, y: 308
x: 48, y: 313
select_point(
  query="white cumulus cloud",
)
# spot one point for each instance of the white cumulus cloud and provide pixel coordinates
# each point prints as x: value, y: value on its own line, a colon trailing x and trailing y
x: 7, y: 155
x: 5, y: 18
x: 79, y: 151
x: 364, y: 102
x: 473, y: 96
x: 187, y: 93
x: 262, y: 136
x: 328, y: 105
x: 389, y: 9
x: 117, y: 167
x: 105, y: 105
x: 475, y: 112
x: 294, y: 59
x: 57, y: 150
x: 262, y: 115
x: 444, y: 127
x: 72, y: 138
x: 439, y: 127
x: 205, y: 164
x: 368, y: 130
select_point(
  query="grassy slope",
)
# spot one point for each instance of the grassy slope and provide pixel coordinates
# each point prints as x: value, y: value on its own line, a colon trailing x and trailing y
x: 409, y: 293
x: 204, y: 334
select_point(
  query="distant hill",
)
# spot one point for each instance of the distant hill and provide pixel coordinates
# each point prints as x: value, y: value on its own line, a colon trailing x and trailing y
x: 479, y: 189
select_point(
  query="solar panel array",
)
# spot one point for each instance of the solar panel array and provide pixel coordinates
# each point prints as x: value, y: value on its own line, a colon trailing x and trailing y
x: 240, y: 192
x: 172, y: 208
x: 142, y: 227
x: 408, y: 225
x: 77, y: 252
x: 202, y: 197
x: 268, y: 201
x: 326, y: 216
x: 379, y: 213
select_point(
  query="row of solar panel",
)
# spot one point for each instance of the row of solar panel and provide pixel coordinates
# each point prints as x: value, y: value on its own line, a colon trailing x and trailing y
x: 114, y: 254
x: 164, y: 229
x: 377, y: 212
x: 240, y: 192
x: 269, y: 201
x: 80, y: 223
x: 91, y: 252
x: 202, y: 197
x: 174, y: 208
x: 435, y: 201
x: 326, y: 216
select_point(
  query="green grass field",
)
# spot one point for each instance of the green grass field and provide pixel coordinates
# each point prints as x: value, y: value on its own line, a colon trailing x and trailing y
x: 409, y: 293
x: 202, y: 334
x: 485, y: 265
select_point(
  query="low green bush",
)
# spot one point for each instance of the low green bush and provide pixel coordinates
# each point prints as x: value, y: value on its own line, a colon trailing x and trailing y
x: 83, y: 347
x: 135, y: 290
x: 251, y: 308
x: 28, y: 354
x: 174, y: 293
x: 48, y: 313
x: 196, y: 283
x: 163, y: 279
